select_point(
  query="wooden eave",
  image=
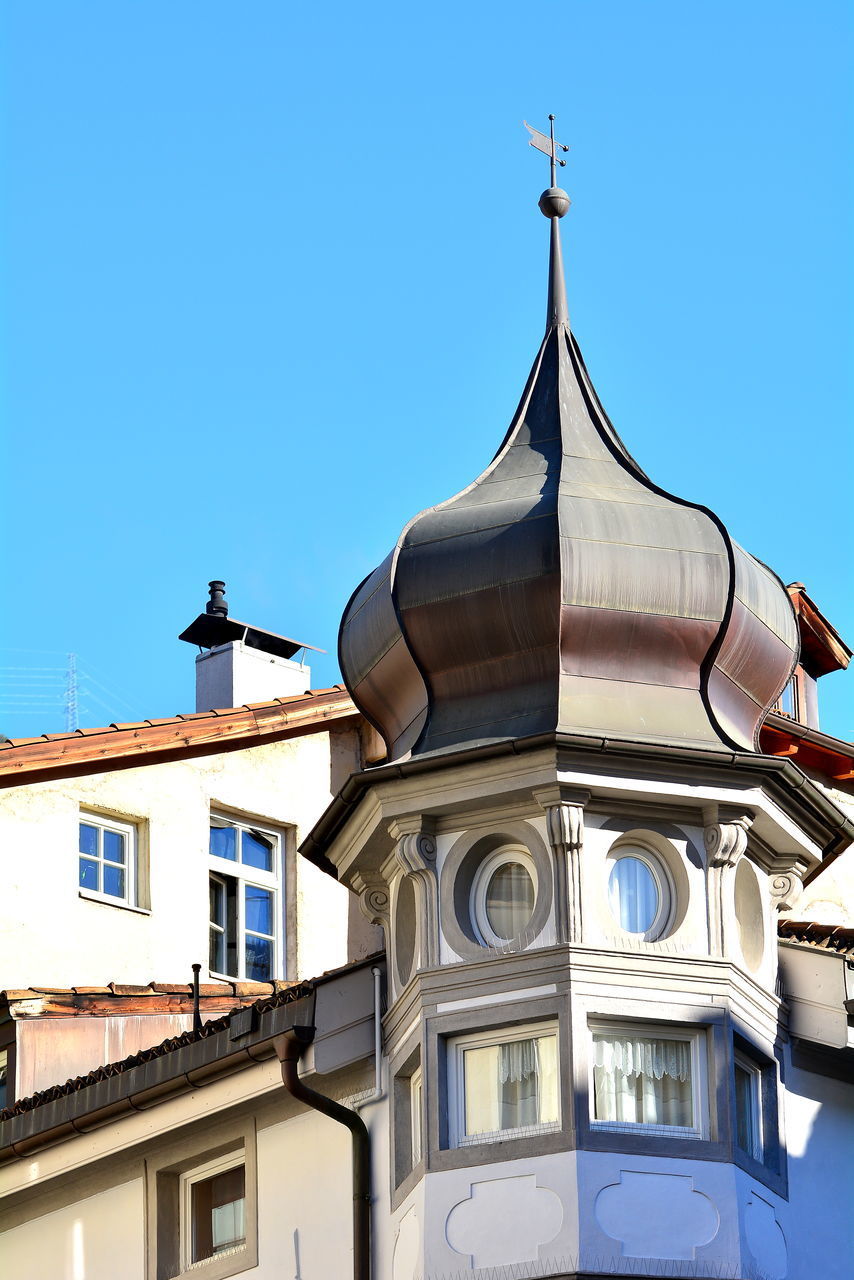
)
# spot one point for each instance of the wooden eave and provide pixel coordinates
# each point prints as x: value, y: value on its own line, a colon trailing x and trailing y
x: 126, y: 745
x: 809, y: 748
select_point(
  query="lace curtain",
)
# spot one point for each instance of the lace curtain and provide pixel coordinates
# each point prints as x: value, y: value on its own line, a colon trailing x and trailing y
x: 512, y: 1085
x: 642, y: 1080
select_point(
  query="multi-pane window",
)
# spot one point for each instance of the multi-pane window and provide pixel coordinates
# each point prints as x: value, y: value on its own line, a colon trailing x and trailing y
x: 213, y: 1209
x: 748, y: 1108
x: 648, y: 1077
x: 503, y: 1084
x: 107, y: 858
x: 416, y: 1122
x: 245, y: 901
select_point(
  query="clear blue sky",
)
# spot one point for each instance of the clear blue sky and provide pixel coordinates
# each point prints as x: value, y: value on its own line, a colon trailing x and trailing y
x: 273, y: 277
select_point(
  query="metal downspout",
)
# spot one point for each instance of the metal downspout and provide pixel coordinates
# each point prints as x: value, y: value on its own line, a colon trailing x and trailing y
x: 290, y: 1047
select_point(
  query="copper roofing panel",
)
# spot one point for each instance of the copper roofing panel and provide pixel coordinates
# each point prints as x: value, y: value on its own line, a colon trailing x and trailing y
x: 564, y: 591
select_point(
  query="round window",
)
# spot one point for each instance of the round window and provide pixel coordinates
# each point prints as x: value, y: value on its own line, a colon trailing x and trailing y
x: 638, y: 892
x: 503, y: 896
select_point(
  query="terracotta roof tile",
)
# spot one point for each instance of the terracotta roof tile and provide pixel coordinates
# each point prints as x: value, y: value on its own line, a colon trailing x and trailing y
x: 826, y: 937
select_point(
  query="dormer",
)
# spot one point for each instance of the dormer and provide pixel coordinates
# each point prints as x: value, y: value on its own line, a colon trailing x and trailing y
x: 822, y: 650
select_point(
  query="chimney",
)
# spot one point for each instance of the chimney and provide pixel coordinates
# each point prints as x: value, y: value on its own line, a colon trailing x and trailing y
x: 238, y: 663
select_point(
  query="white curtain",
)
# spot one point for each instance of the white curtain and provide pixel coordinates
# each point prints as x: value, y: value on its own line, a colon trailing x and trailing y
x: 511, y: 1086
x: 642, y: 1080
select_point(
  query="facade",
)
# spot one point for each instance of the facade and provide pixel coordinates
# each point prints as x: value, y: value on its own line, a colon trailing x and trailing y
x: 610, y: 1033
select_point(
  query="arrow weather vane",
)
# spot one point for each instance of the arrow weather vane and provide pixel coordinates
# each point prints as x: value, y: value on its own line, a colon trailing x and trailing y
x: 547, y: 145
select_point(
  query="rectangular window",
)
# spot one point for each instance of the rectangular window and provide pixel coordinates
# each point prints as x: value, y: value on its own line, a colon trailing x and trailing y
x: 107, y: 862
x: 213, y: 1209
x: 650, y: 1078
x: 5, y: 1093
x: 503, y: 1084
x: 748, y: 1107
x: 246, y: 918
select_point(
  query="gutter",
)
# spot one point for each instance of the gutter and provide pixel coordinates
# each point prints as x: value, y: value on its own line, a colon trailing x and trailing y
x: 834, y: 830
x: 290, y: 1047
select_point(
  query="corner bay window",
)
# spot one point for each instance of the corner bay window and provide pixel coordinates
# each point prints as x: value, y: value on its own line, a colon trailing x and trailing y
x: 213, y: 1204
x: 245, y: 887
x: 646, y: 1078
x: 503, y: 1084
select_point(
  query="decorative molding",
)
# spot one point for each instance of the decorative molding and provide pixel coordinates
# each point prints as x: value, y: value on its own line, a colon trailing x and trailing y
x: 725, y: 839
x: 373, y: 897
x: 564, y: 809
x: 415, y: 856
x: 785, y: 881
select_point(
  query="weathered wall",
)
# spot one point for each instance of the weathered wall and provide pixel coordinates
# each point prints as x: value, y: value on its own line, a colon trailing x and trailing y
x: 51, y: 936
x: 100, y: 1238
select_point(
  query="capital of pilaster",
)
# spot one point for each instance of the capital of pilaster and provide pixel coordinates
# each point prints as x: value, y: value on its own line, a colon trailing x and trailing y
x: 725, y: 841
x: 564, y: 809
x: 415, y: 844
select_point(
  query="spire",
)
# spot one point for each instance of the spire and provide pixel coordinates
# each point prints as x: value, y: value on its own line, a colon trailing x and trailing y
x: 553, y: 204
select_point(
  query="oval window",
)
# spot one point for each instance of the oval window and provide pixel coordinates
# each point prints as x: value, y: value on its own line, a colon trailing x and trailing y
x: 503, y: 896
x: 638, y: 893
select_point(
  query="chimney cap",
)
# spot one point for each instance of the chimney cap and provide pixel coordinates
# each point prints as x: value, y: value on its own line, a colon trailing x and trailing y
x: 214, y: 627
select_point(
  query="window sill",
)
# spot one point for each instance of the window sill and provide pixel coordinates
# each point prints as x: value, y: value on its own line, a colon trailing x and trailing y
x: 108, y: 901
x: 647, y: 1130
x: 507, y: 1135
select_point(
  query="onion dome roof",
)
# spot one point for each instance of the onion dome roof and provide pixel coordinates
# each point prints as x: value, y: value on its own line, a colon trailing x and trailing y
x: 564, y: 591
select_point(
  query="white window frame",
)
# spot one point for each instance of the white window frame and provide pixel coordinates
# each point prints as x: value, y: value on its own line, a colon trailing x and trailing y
x: 757, y: 1134
x: 663, y: 880
x: 699, y: 1128
x: 416, y: 1115
x: 122, y: 827
x: 477, y: 902
x: 186, y: 1182
x: 244, y: 874
x: 456, y: 1048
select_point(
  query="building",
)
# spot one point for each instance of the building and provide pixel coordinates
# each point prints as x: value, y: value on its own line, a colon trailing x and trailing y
x: 590, y: 1049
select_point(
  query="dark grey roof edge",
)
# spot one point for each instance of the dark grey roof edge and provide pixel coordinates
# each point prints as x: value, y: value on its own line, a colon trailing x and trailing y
x: 190, y: 1061
x: 798, y: 796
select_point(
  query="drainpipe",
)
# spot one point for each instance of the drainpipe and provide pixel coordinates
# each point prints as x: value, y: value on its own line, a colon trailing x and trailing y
x: 290, y: 1047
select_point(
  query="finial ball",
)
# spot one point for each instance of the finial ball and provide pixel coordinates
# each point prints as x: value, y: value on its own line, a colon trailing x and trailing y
x: 554, y: 203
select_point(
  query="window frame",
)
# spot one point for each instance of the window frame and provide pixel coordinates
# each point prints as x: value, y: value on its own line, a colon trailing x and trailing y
x: 504, y: 854
x: 416, y: 1116
x: 130, y: 831
x: 740, y: 1061
x: 167, y: 1170
x: 243, y: 874
x: 186, y: 1182
x: 455, y: 1049
x: 651, y: 859
x: 699, y: 1130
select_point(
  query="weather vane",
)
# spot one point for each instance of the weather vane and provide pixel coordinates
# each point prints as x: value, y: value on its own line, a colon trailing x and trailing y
x: 547, y: 145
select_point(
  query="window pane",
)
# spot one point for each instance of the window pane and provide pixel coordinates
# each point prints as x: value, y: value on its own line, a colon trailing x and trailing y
x: 218, y: 1205
x: 216, y: 952
x: 224, y: 843
x: 259, y: 909
x: 259, y: 958
x: 746, y: 1117
x: 114, y: 846
x: 88, y: 839
x: 217, y: 900
x: 257, y: 850
x: 642, y: 1080
x: 510, y: 1086
x: 509, y: 900
x: 88, y: 874
x: 114, y: 880
x: 633, y: 895
x: 4, y: 1075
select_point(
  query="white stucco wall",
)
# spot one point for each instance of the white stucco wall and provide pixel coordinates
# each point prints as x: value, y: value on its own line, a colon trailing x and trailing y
x: 51, y: 936
x: 99, y: 1238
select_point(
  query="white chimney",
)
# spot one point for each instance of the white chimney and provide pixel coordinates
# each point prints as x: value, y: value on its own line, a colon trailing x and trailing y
x: 239, y: 663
